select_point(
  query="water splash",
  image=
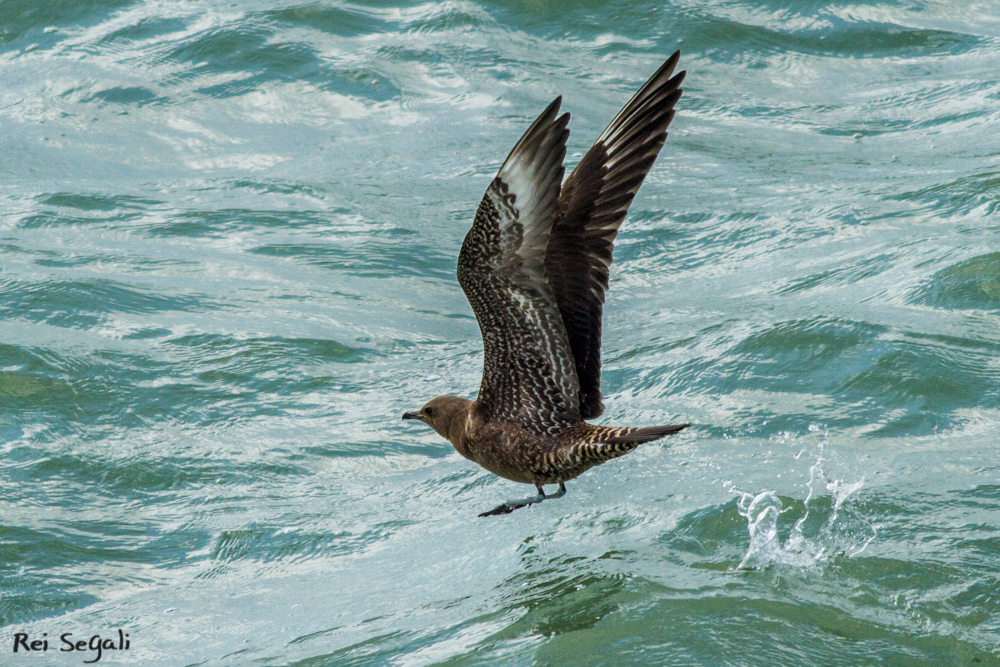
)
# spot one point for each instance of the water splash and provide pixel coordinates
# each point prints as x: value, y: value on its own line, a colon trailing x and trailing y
x: 812, y: 539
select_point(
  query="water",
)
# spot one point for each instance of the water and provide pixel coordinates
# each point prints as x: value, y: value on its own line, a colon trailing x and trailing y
x: 228, y: 235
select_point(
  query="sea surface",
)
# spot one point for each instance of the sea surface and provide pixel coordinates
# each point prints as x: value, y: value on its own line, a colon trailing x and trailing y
x: 228, y: 238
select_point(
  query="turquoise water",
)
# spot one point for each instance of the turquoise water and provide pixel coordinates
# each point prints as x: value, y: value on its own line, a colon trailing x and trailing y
x: 228, y: 236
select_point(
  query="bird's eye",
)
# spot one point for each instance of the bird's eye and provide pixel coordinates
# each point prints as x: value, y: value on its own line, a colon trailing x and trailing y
x: 428, y: 411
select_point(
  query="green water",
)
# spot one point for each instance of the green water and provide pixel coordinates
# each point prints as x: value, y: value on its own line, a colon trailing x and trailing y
x: 228, y: 236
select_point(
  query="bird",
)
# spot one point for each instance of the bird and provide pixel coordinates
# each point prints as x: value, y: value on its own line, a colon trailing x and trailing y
x: 534, y: 267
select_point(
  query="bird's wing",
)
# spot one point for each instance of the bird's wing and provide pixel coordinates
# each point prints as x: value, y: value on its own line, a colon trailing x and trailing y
x: 592, y: 205
x: 529, y: 376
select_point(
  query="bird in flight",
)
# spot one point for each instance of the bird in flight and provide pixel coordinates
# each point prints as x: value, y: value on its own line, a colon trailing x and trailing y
x: 534, y: 267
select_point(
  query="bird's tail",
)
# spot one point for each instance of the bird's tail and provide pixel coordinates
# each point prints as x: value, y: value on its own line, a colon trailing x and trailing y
x: 631, y: 434
x: 602, y: 443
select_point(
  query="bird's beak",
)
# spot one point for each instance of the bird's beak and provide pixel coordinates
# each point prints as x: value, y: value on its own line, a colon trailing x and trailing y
x: 411, y: 415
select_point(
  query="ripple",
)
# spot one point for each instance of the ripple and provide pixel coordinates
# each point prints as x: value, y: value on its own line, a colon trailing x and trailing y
x: 25, y: 20
x: 87, y: 303
x: 868, y: 267
x: 192, y: 379
x: 129, y: 95
x: 222, y: 223
x: 270, y: 543
x: 972, y: 284
x: 961, y: 196
x: 88, y: 209
x: 344, y: 20
x: 369, y: 260
x: 96, y: 202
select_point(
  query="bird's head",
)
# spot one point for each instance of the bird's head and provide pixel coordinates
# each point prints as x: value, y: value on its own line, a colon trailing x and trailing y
x: 442, y: 413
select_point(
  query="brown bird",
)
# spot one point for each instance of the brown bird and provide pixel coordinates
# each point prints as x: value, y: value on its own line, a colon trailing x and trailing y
x: 534, y: 267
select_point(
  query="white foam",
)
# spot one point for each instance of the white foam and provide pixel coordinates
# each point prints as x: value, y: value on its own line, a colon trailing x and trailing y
x: 842, y: 534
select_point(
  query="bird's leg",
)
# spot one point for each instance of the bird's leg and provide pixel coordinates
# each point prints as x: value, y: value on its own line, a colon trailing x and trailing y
x: 512, y: 505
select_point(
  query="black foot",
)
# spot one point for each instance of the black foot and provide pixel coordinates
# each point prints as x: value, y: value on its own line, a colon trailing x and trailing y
x: 512, y: 505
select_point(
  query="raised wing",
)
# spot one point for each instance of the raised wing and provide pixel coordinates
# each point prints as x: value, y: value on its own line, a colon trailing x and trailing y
x: 529, y: 376
x: 592, y: 205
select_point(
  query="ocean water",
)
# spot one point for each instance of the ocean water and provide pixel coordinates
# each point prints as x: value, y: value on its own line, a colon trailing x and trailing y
x: 228, y: 236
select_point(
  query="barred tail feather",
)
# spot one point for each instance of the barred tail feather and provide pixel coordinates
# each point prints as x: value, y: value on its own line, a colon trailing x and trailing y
x: 646, y: 434
x: 604, y: 443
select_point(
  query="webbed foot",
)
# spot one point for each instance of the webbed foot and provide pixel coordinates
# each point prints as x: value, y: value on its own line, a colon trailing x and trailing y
x: 512, y: 505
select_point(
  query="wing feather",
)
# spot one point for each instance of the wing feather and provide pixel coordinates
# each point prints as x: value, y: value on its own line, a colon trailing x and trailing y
x: 529, y: 376
x: 592, y: 205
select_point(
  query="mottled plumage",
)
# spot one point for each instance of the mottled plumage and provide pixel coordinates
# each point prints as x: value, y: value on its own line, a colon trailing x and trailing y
x: 534, y: 267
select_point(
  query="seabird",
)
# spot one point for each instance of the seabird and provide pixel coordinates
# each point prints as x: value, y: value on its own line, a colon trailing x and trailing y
x: 534, y: 267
